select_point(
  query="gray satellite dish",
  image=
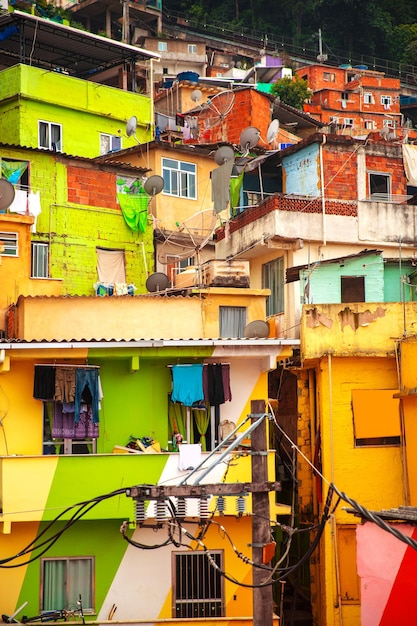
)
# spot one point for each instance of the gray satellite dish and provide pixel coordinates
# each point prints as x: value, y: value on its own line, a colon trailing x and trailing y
x: 131, y: 126
x: 224, y: 154
x: 272, y: 131
x: 6, y: 194
x: 196, y: 95
x: 256, y: 329
x: 249, y: 137
x: 157, y: 282
x: 153, y: 185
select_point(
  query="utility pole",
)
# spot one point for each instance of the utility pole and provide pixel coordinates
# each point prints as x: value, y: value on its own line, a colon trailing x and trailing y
x: 261, y: 530
x: 260, y: 488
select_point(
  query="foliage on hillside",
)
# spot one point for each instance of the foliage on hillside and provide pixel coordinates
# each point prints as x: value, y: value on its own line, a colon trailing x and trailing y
x: 382, y: 28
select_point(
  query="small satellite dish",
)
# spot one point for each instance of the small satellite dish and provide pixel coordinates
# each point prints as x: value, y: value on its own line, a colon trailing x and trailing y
x: 131, y: 126
x: 196, y: 95
x: 6, y: 194
x: 272, y: 131
x: 256, y: 329
x: 224, y: 154
x: 249, y: 138
x: 384, y: 132
x: 153, y: 185
x: 157, y: 282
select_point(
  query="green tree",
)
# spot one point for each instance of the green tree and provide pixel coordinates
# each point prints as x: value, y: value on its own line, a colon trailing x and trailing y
x: 293, y: 91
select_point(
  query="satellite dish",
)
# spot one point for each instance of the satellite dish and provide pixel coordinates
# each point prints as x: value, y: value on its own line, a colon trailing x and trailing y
x: 157, y: 282
x: 131, y: 126
x: 189, y: 238
x: 6, y: 194
x: 256, y: 329
x: 153, y: 185
x: 217, y: 108
x: 224, y: 154
x: 196, y: 95
x: 272, y: 131
x: 249, y: 138
x: 384, y: 132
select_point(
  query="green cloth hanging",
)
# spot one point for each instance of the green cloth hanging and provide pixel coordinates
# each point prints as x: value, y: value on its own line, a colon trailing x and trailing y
x: 235, y: 187
x: 135, y: 210
x: 177, y: 415
x: 202, y: 420
x: 12, y: 171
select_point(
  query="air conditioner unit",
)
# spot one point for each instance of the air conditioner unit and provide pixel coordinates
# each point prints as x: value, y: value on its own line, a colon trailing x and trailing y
x: 218, y: 273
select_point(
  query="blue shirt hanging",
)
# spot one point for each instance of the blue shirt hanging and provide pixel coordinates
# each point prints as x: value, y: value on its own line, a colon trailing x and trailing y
x: 187, y: 384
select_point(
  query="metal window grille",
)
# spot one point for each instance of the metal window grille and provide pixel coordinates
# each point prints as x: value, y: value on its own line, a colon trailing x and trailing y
x: 198, y: 586
x: 40, y: 259
x: 9, y: 244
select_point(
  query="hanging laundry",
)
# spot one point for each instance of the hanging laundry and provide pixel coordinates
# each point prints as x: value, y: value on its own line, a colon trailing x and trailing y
x: 44, y: 382
x: 213, y: 384
x: 65, y: 384
x: 187, y: 383
x: 86, y: 381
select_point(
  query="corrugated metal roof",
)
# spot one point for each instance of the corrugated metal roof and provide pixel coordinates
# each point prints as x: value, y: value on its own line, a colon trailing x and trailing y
x: 43, y: 43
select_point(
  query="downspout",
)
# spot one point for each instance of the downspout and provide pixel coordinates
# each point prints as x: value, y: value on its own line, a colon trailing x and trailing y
x: 323, y: 202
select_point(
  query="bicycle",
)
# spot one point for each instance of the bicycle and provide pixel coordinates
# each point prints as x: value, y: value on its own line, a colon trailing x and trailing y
x: 44, y: 616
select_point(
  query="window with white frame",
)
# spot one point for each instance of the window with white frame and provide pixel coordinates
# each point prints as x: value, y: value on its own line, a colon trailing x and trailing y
x: 110, y: 143
x: 232, y: 321
x: 39, y: 260
x: 64, y: 580
x: 386, y: 101
x: 273, y: 279
x: 198, y: 589
x: 9, y: 244
x: 388, y: 123
x: 162, y: 46
x: 192, y: 48
x: 50, y: 136
x: 334, y: 119
x: 329, y: 77
x: 368, y: 97
x: 348, y: 122
x: 180, y: 178
x: 369, y: 125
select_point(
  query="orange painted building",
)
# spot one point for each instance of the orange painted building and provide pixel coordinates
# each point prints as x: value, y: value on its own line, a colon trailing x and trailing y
x: 355, y: 100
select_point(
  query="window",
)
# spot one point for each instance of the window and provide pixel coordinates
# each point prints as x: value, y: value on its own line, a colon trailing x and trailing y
x: 376, y: 417
x: 368, y: 97
x: 386, y: 101
x: 39, y: 260
x: 273, y: 279
x: 334, y: 120
x: 345, y: 95
x: 110, y: 143
x: 50, y: 136
x: 369, y: 125
x: 348, y: 122
x: 232, y: 321
x: 64, y: 580
x: 9, y: 244
x: 329, y: 77
x: 197, y: 585
x: 180, y: 178
x: 352, y: 288
x: 379, y: 186
x: 162, y: 46
x: 192, y: 48
x: 388, y: 123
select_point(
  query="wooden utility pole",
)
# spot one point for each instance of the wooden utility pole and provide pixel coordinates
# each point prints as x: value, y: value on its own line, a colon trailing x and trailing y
x: 261, y: 529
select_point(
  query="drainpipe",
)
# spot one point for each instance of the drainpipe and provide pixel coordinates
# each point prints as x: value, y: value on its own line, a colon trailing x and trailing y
x: 323, y: 203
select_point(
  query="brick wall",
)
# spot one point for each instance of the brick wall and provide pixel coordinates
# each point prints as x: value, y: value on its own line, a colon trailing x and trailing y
x: 92, y: 187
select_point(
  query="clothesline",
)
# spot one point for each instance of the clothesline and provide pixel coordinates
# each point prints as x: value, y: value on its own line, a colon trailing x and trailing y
x: 67, y: 365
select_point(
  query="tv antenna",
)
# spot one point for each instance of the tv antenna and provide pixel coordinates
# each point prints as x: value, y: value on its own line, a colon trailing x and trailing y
x: 131, y: 127
x: 7, y: 194
x: 189, y: 238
